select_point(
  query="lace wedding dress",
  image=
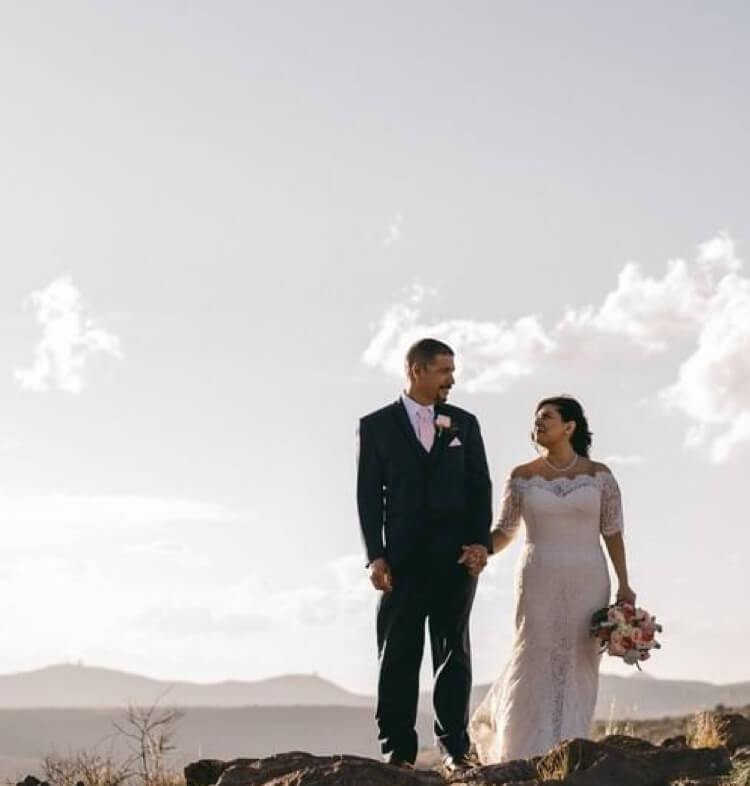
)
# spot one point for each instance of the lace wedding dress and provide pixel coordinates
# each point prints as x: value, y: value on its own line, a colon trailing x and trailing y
x: 547, y: 691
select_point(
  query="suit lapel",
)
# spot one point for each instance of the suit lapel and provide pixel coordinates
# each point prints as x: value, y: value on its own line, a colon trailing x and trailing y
x: 402, y: 418
x: 438, y: 446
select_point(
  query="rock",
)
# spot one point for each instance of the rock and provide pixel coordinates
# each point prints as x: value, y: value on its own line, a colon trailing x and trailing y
x: 612, y: 771
x: 615, y: 761
x: 679, y: 741
x: 734, y: 729
x: 533, y: 782
x: 303, y: 769
x: 205, y: 772
x: 511, y: 772
x: 627, y: 743
x: 583, y: 762
x: 663, y: 764
x: 30, y: 780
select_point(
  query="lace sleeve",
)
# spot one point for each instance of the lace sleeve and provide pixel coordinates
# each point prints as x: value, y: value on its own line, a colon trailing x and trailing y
x: 610, y: 521
x: 510, y: 508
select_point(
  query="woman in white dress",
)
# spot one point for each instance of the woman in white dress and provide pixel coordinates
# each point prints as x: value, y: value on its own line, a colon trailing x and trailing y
x: 547, y: 691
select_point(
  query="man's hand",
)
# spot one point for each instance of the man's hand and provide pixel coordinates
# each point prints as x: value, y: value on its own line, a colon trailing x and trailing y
x: 380, y: 575
x: 474, y: 557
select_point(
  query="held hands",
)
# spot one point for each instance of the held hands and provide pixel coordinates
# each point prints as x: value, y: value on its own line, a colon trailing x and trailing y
x: 380, y: 575
x: 474, y: 558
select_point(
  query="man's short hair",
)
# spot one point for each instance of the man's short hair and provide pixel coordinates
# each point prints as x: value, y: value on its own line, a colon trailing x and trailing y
x: 424, y: 351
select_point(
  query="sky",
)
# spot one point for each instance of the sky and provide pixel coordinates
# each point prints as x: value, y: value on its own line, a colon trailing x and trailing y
x: 221, y: 225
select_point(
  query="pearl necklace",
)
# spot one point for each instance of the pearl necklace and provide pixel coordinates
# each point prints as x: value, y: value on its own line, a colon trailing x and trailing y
x: 561, y: 469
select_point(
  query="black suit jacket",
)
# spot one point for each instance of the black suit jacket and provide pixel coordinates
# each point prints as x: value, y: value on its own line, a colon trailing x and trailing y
x: 415, y: 505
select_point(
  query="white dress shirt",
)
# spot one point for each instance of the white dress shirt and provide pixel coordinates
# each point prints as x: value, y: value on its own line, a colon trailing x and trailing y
x: 412, y: 407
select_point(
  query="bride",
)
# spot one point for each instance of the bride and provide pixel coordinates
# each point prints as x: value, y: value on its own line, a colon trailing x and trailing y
x: 547, y: 691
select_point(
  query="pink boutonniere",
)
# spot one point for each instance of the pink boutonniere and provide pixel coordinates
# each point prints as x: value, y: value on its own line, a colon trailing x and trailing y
x: 442, y: 422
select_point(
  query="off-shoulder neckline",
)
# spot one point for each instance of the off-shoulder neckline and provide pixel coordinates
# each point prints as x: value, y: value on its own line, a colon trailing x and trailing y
x: 537, y: 476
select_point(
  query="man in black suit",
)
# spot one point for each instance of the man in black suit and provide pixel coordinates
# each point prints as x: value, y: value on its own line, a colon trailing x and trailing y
x: 425, y: 507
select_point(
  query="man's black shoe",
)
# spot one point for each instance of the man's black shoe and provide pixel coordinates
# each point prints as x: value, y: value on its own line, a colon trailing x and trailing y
x: 459, y: 765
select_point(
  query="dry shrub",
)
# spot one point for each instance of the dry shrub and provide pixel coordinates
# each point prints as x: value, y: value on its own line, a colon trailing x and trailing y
x: 613, y: 726
x: 555, y: 767
x: 91, y: 769
x: 167, y: 778
x: 149, y: 734
x: 619, y: 727
x: 705, y: 731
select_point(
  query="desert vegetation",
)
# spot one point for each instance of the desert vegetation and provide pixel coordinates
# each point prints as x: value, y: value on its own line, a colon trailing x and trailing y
x: 146, y: 734
x: 705, y: 748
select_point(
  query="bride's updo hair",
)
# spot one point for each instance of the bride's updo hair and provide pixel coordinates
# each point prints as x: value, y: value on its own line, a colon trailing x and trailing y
x: 571, y: 410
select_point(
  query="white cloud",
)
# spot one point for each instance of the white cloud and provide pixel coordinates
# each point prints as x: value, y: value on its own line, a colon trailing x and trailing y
x: 341, y: 597
x: 648, y: 310
x: 44, y: 521
x: 123, y: 567
x: 713, y: 383
x: 147, y: 564
x: 725, y: 443
x: 706, y: 301
x: 492, y: 354
x: 394, y: 332
x: 393, y: 231
x: 170, y: 550
x: 69, y: 339
x: 182, y: 622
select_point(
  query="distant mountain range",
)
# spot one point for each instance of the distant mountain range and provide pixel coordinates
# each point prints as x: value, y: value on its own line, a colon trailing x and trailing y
x: 85, y: 687
x: 93, y: 687
x: 71, y: 708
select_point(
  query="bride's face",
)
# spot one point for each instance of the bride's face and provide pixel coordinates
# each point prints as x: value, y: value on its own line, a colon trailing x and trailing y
x: 549, y: 427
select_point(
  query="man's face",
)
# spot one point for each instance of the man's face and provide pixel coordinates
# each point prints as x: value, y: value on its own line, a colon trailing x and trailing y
x: 435, y: 381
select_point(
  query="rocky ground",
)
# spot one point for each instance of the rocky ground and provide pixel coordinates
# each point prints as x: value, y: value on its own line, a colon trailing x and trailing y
x: 710, y: 750
x: 655, y: 730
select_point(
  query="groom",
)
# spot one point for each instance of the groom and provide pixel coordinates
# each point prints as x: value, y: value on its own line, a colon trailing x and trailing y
x: 425, y: 509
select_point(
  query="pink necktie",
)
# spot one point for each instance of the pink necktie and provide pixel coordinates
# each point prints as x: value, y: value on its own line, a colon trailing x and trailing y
x: 426, y: 428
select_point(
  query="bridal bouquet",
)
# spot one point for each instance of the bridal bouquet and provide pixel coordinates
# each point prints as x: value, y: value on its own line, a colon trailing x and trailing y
x: 626, y: 632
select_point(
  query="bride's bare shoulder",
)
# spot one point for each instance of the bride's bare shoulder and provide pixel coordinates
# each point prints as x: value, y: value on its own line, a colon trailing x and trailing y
x: 597, y: 466
x: 525, y: 470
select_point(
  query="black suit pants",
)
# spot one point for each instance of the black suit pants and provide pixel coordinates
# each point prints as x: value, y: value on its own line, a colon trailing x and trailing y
x: 440, y: 594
